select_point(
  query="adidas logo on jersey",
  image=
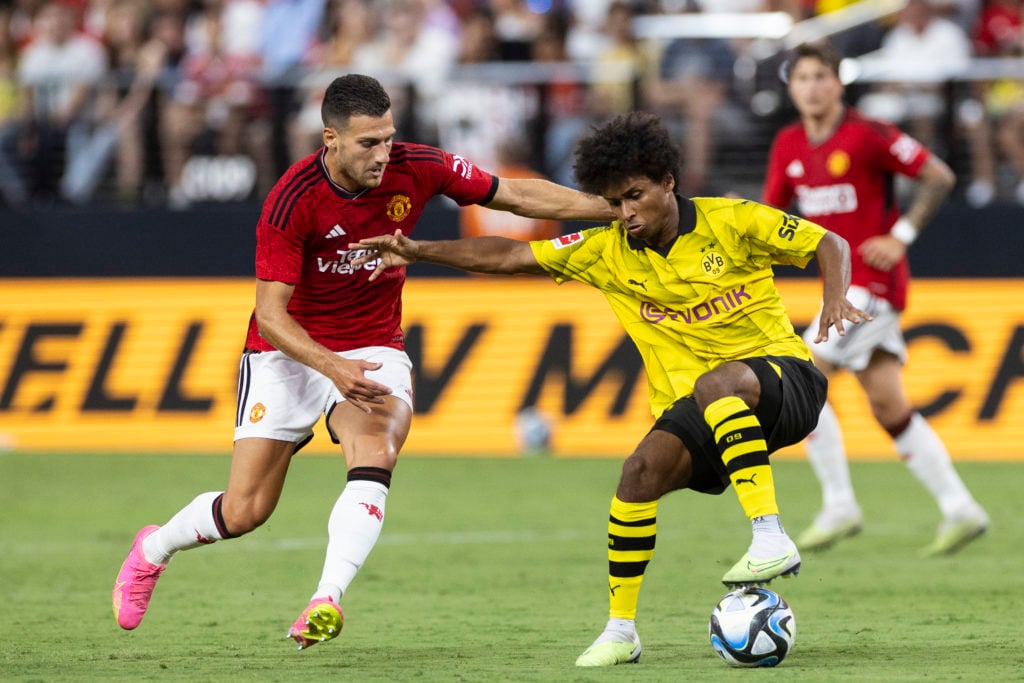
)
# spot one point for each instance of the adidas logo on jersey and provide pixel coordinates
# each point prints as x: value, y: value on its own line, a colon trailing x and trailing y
x: 336, y: 231
x: 795, y: 169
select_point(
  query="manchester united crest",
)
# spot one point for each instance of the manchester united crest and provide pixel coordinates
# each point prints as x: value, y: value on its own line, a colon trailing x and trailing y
x: 399, y: 207
x: 257, y: 412
x: 838, y: 163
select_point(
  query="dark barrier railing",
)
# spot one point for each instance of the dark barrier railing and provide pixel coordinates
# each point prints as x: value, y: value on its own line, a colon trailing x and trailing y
x: 218, y: 240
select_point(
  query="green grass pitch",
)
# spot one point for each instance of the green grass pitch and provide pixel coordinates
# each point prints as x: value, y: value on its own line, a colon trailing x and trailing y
x: 489, y: 570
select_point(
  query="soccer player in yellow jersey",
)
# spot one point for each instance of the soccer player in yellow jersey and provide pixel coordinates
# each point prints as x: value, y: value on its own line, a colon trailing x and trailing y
x: 691, y: 282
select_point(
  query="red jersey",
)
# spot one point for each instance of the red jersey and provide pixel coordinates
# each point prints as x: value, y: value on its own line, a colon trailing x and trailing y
x: 845, y: 184
x: 308, y: 221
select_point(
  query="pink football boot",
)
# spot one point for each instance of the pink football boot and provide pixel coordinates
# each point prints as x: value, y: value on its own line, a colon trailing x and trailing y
x: 135, y: 583
x: 321, y: 621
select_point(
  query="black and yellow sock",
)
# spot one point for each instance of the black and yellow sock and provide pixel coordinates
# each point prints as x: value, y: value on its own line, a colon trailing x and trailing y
x: 743, y: 449
x: 632, y: 531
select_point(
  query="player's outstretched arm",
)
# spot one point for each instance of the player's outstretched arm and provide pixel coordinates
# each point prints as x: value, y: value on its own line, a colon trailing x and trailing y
x: 537, y: 198
x: 833, y: 255
x: 498, y: 255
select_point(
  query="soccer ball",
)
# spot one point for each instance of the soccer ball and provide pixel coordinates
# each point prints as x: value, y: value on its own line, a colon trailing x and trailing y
x: 533, y: 431
x: 752, y: 626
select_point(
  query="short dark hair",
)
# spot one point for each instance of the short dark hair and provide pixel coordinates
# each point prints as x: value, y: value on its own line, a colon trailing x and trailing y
x: 629, y: 145
x: 823, y: 52
x: 353, y: 95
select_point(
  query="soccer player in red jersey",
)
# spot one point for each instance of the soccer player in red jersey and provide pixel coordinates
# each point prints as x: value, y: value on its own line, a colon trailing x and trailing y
x: 838, y: 168
x: 324, y: 341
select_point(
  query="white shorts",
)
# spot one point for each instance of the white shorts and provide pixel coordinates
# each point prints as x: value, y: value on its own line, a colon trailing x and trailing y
x: 280, y: 398
x: 853, y: 351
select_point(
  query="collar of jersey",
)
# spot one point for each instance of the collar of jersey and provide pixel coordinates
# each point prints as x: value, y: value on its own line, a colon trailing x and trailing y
x: 687, y: 222
x: 338, y: 189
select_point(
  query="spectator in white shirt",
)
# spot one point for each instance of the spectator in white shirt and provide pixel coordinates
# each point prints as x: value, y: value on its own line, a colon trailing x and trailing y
x: 918, y: 55
x: 59, y: 72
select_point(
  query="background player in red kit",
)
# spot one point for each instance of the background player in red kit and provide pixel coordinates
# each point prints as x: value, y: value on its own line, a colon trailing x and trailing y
x: 323, y: 341
x: 838, y: 167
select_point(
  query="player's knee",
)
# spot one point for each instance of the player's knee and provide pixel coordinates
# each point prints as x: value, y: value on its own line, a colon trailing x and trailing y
x: 707, y: 389
x: 640, y: 481
x: 633, y: 469
x: 729, y: 379
x: 890, y: 414
x: 381, y: 455
x: 896, y: 422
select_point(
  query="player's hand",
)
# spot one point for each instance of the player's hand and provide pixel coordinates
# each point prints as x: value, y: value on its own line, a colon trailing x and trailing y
x: 834, y: 313
x: 390, y: 251
x: 350, y: 378
x: 882, y: 252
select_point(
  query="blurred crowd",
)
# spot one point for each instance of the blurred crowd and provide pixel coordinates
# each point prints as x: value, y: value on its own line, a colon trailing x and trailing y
x: 154, y: 102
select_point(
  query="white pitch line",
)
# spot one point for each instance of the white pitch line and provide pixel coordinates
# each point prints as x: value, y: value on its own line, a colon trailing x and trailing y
x: 436, y: 538
x: 492, y: 537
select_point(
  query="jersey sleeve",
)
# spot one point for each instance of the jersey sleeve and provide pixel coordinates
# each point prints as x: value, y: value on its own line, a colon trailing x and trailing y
x: 280, y: 237
x: 788, y: 239
x: 465, y: 182
x: 576, y: 256
x: 898, y: 152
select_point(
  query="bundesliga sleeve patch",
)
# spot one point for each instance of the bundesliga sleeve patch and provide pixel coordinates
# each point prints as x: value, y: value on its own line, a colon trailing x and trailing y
x: 566, y: 240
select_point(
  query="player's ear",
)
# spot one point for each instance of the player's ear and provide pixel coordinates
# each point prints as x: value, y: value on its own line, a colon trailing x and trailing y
x: 668, y: 182
x: 330, y: 139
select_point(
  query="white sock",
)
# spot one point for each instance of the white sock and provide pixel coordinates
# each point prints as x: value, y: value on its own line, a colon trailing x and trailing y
x: 353, y: 529
x: 192, y: 527
x: 617, y: 631
x: 827, y: 456
x: 770, y: 539
x: 926, y: 456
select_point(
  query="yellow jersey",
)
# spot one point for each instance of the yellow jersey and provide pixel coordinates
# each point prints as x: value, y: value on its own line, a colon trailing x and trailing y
x: 707, y: 298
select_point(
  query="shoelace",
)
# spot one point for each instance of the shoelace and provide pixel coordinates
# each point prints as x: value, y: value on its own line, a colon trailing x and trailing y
x: 142, y: 586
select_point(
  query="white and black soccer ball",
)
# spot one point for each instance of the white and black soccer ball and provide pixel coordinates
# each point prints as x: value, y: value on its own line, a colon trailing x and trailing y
x: 752, y: 626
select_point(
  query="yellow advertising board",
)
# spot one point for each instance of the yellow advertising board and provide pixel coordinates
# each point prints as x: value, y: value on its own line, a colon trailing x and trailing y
x: 151, y: 365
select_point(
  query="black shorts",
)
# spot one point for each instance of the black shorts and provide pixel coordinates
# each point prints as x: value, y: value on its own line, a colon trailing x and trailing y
x: 788, y: 411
